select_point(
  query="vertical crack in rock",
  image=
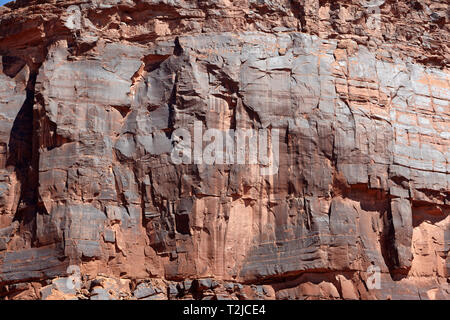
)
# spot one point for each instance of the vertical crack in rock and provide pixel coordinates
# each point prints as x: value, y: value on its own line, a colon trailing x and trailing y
x: 172, y: 105
x: 24, y: 157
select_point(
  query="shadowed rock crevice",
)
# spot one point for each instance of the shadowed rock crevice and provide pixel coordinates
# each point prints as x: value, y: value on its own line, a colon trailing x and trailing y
x: 23, y: 156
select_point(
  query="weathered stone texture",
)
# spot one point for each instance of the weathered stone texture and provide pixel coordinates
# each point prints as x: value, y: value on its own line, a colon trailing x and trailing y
x: 90, y: 94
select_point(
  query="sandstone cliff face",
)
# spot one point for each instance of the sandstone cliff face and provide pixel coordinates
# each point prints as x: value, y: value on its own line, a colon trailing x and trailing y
x: 91, y: 91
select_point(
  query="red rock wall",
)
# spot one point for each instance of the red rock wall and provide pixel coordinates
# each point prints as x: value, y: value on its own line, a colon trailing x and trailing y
x: 91, y: 92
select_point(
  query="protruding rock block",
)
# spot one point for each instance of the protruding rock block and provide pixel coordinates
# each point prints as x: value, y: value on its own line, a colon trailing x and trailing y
x: 403, y: 228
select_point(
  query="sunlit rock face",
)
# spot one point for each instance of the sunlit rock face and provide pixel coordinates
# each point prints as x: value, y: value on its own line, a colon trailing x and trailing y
x: 91, y: 96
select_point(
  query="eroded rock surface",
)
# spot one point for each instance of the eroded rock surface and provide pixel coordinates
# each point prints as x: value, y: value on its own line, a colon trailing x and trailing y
x: 91, y: 91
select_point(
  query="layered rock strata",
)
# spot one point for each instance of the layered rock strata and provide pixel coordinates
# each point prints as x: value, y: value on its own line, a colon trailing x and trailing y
x: 91, y: 93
